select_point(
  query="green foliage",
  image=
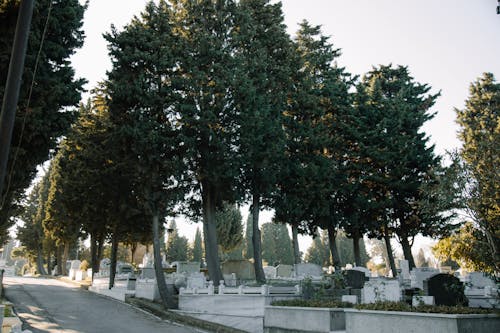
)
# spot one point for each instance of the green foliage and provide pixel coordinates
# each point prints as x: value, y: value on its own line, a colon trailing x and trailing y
x: 396, y: 159
x: 319, y: 252
x: 177, y: 246
x: 197, y: 248
x: 480, y: 135
x: 468, y: 247
x: 54, y: 95
x: 229, y: 227
x: 276, y: 244
x: 404, y: 307
x: 313, y: 303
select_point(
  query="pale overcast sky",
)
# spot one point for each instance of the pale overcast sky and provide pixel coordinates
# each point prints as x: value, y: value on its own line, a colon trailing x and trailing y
x: 445, y: 43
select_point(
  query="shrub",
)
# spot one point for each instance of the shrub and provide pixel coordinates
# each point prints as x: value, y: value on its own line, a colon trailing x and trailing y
x: 313, y: 303
x: 84, y: 265
x: 401, y: 306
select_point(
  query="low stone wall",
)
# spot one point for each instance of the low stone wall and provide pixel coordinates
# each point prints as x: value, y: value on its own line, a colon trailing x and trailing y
x: 229, y: 304
x: 288, y: 319
x: 368, y: 321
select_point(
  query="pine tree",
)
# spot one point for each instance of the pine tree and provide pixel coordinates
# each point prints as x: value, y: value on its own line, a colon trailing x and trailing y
x: 229, y: 227
x: 53, y: 99
x: 318, y: 103
x: 276, y: 244
x: 318, y: 253
x: 480, y: 134
x: 248, y: 250
x: 396, y: 157
x: 141, y: 99
x: 197, y: 248
x: 262, y: 50
x: 177, y: 246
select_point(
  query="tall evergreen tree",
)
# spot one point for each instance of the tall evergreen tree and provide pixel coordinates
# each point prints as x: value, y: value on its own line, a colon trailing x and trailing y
x: 55, y: 92
x: 229, y: 227
x: 318, y: 103
x: 248, y: 249
x: 141, y: 99
x: 480, y: 134
x: 177, y: 246
x: 318, y: 253
x: 276, y: 244
x: 206, y: 111
x: 396, y: 107
x: 197, y: 248
x: 262, y: 51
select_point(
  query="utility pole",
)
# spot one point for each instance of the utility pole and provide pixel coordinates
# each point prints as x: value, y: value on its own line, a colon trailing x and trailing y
x: 13, y: 84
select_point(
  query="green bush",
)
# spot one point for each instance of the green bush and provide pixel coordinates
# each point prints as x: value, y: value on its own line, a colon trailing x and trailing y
x: 385, y: 306
x: 401, y: 306
x: 313, y: 303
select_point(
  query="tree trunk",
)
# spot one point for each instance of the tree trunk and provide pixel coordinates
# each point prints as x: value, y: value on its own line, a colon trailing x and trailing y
x: 39, y: 260
x: 59, y: 260
x: 49, y: 266
x: 407, y: 251
x: 93, y: 255
x: 295, y: 243
x: 133, y: 248
x: 332, y: 235
x: 256, y: 241
x: 355, y: 245
x: 390, y: 255
x: 160, y: 277
x: 100, y: 248
x: 210, y: 235
x: 114, y: 251
x: 65, y: 257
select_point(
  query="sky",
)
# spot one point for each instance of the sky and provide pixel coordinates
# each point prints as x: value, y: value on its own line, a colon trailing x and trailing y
x: 447, y: 44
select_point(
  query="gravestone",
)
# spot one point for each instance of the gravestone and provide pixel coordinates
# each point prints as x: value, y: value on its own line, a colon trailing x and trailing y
x: 381, y: 290
x: 446, y: 289
x: 308, y: 270
x: 104, y: 267
x: 270, y: 272
x: 147, y: 260
x: 74, y: 268
x: 479, y: 280
x: 196, y: 280
x: 243, y: 269
x: 404, y: 265
x: 188, y: 267
x: 365, y: 270
x: 418, y: 275
x: 230, y: 280
x: 355, y: 279
x: 124, y: 268
x: 284, y: 271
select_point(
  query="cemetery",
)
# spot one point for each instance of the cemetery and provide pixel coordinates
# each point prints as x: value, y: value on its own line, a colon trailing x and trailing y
x: 210, y: 113
x: 307, y: 298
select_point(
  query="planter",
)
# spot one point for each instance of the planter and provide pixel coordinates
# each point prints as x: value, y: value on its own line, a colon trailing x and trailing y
x: 369, y: 321
x: 283, y: 319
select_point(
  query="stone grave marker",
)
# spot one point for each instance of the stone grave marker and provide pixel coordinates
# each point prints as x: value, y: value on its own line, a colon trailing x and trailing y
x: 446, y: 289
x: 365, y: 270
x: 188, y: 267
x: 270, y: 272
x: 404, y: 265
x: 355, y: 279
x: 124, y: 268
x: 308, y: 269
x: 73, y: 268
x: 284, y: 271
x: 243, y: 269
x: 196, y: 280
x: 380, y: 290
x: 418, y: 275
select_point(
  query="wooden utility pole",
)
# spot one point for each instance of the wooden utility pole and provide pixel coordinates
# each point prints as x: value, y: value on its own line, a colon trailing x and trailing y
x: 13, y: 84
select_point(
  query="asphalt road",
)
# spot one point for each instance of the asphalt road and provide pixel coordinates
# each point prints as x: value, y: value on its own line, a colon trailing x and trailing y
x: 52, y: 306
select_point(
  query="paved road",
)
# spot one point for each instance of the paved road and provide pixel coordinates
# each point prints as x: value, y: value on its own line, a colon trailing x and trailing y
x: 52, y: 306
